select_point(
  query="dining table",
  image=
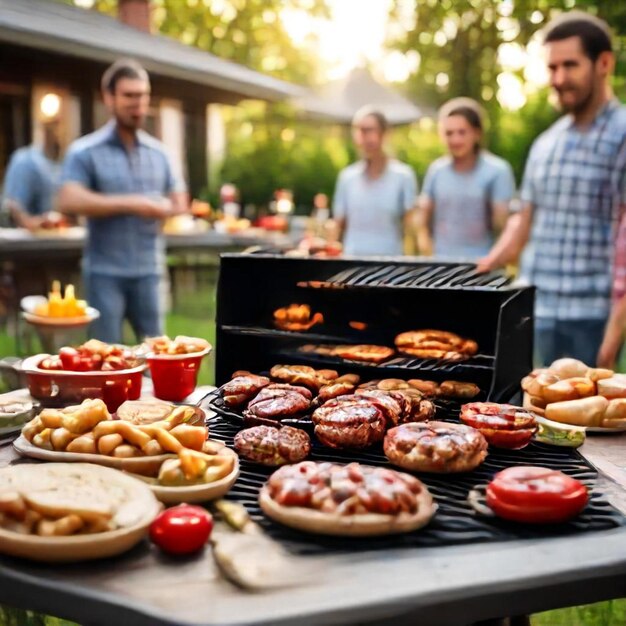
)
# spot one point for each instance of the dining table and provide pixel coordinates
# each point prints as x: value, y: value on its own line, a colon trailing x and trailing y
x: 454, y: 585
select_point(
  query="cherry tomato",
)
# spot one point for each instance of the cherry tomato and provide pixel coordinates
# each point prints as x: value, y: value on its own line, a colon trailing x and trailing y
x: 182, y: 529
x: 536, y: 495
x: 70, y: 358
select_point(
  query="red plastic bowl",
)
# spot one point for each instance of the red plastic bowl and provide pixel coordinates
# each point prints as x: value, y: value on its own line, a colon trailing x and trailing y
x: 174, y: 376
x: 55, y: 388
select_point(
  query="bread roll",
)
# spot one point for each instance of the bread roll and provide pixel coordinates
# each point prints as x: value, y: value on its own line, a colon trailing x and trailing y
x: 144, y: 411
x: 614, y: 387
x: 569, y: 368
x: 537, y: 381
x: 583, y: 412
x: 598, y: 373
x: 569, y: 389
x: 615, y: 414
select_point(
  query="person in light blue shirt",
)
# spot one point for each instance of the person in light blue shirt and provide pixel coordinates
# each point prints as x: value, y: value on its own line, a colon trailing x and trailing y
x: 121, y: 179
x: 374, y: 197
x: 31, y: 180
x: 466, y: 194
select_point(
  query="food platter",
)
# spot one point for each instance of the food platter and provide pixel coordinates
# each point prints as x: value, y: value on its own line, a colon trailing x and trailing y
x: 81, y: 547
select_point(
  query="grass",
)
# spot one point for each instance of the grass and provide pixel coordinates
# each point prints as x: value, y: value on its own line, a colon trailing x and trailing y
x: 194, y: 314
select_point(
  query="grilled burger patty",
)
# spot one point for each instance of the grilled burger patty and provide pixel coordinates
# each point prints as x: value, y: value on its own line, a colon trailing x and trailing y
x: 273, y: 446
x: 435, y: 447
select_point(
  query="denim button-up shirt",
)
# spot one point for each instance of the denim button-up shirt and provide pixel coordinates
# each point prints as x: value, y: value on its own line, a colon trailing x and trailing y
x: 121, y: 245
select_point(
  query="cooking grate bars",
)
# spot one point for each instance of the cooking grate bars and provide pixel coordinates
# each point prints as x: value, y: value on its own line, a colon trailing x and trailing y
x: 429, y: 275
x: 455, y: 521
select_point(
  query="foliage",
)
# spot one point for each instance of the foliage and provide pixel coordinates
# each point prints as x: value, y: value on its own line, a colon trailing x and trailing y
x: 269, y: 149
x: 457, y: 40
x: 249, y: 32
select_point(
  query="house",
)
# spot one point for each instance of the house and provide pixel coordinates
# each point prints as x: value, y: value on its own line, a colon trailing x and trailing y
x: 52, y: 57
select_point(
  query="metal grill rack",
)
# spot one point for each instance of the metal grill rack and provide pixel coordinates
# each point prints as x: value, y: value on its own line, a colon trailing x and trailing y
x: 455, y: 522
x: 386, y: 298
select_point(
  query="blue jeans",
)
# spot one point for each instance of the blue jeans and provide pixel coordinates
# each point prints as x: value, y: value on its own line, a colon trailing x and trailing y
x: 118, y: 298
x: 579, y: 339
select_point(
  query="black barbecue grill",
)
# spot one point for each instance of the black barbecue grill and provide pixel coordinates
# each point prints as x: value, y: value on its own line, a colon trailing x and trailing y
x: 388, y: 298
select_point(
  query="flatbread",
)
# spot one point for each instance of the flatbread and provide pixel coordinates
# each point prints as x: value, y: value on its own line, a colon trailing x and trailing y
x: 358, y: 525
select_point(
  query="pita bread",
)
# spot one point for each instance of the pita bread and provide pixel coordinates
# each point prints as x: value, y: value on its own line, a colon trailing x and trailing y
x: 358, y: 525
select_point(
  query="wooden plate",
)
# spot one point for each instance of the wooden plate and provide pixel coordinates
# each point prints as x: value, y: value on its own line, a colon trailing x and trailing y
x: 527, y: 404
x: 85, y: 547
x: 194, y: 493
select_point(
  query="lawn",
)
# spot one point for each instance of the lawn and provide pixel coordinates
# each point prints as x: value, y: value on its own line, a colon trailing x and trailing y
x: 194, y: 314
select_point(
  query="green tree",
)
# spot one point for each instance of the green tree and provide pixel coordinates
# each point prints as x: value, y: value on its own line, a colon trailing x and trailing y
x: 249, y: 32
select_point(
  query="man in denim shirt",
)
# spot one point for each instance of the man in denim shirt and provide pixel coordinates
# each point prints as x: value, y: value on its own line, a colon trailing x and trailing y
x: 121, y: 180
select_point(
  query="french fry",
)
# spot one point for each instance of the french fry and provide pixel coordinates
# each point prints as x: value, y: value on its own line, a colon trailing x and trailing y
x: 51, y: 418
x: 85, y: 444
x: 126, y: 451
x: 61, y: 438
x: 68, y: 525
x: 108, y: 443
x: 128, y: 431
x: 192, y: 437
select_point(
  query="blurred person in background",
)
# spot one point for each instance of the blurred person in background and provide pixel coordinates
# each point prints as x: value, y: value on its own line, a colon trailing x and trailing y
x: 375, y: 197
x: 31, y: 181
x: 466, y: 194
x: 120, y: 178
x: 573, y: 192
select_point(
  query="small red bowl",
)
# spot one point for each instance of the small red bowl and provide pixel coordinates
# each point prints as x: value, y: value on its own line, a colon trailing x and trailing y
x: 57, y: 388
x: 175, y: 376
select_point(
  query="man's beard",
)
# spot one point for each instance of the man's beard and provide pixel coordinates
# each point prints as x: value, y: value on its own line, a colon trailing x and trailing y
x: 129, y: 124
x: 580, y: 105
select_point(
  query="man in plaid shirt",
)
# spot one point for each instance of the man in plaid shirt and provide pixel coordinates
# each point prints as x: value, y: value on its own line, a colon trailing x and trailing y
x: 573, y: 189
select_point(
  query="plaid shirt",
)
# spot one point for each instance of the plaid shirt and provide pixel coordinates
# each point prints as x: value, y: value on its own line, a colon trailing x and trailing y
x: 575, y: 181
x: 122, y: 245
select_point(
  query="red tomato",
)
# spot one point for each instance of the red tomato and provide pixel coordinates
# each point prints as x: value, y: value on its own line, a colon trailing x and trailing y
x: 502, y: 425
x: 510, y: 439
x: 536, y: 495
x: 70, y: 358
x: 496, y: 416
x: 183, y: 529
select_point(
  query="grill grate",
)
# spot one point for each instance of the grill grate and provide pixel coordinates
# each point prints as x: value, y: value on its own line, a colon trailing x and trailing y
x: 432, y: 275
x: 446, y: 408
x: 455, y: 522
x: 478, y: 362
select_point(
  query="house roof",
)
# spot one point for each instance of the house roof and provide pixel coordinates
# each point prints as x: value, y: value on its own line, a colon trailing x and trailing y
x: 68, y: 30
x: 339, y: 100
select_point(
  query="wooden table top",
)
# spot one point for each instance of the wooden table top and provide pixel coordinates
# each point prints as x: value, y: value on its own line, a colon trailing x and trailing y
x: 430, y: 586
